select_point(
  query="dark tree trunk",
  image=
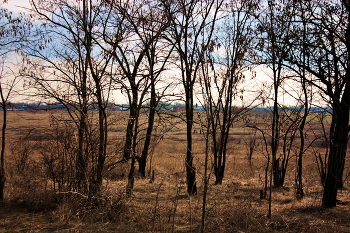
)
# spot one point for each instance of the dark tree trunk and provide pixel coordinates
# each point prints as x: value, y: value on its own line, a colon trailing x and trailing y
x: 82, y: 154
x: 337, y: 154
x: 338, y: 133
x: 131, y: 123
x: 129, y: 135
x: 3, y: 145
x: 131, y: 178
x: 277, y: 176
x: 98, y: 177
x: 143, y: 161
x: 219, y: 169
x: 152, y: 111
x: 227, y: 118
x: 2, y: 183
x: 219, y: 174
x: 190, y: 169
x: 81, y: 160
x: 299, y: 176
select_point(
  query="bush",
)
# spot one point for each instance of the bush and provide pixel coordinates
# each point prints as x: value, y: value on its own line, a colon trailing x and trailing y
x: 74, y: 206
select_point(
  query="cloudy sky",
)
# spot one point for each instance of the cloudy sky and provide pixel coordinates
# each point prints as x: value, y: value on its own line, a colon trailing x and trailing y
x: 251, y: 86
x: 16, y: 5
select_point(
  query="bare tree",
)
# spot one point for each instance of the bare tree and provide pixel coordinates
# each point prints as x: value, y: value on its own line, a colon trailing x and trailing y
x: 142, y: 25
x: 251, y: 144
x: 299, y: 174
x: 6, y: 89
x: 13, y: 31
x: 221, y: 88
x: 66, y: 66
x: 99, y: 67
x: 275, y: 28
x: 155, y: 71
x: 327, y: 49
x: 323, y: 142
x: 191, y: 32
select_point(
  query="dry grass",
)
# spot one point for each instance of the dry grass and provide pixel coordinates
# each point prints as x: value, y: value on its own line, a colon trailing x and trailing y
x: 163, y: 206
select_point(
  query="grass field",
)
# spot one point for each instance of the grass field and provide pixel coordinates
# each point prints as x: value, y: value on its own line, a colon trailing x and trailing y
x: 161, y: 206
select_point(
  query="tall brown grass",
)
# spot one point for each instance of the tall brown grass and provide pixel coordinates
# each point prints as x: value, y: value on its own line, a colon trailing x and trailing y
x: 163, y: 205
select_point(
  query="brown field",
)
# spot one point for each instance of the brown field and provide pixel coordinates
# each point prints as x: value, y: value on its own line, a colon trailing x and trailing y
x: 161, y: 206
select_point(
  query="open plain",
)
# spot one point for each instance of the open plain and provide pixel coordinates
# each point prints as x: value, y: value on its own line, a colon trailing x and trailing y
x: 32, y: 205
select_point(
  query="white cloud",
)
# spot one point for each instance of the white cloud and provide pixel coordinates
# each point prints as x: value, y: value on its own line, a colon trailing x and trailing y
x: 17, y: 6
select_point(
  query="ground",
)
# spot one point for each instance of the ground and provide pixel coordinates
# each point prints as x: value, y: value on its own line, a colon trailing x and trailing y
x: 163, y: 205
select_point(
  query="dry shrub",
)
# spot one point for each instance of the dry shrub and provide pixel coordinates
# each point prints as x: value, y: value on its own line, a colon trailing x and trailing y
x: 74, y: 206
x: 26, y: 183
x: 31, y: 191
x: 238, y: 217
x: 22, y: 153
x: 118, y: 171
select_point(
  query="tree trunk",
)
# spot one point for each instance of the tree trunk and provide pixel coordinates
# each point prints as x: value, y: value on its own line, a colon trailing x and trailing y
x: 3, y: 145
x: 131, y: 138
x: 82, y: 156
x: 221, y: 157
x: 2, y: 183
x: 131, y: 178
x: 299, y: 176
x: 129, y: 135
x: 218, y: 169
x: 81, y: 163
x: 218, y: 173
x: 224, y: 129
x: 190, y: 169
x: 131, y: 123
x: 152, y: 111
x: 337, y: 154
x: 277, y: 181
x: 206, y: 177
x: 102, y: 142
x: 81, y: 159
x: 338, y: 136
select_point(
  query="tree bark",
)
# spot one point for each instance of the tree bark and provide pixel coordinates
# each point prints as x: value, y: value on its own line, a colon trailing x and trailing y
x: 152, y: 111
x: 2, y: 183
x: 337, y: 154
x: 81, y: 161
x: 131, y: 176
x: 339, y: 134
x: 190, y: 169
x: 3, y: 146
x: 131, y: 122
x: 277, y: 181
x: 102, y: 142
